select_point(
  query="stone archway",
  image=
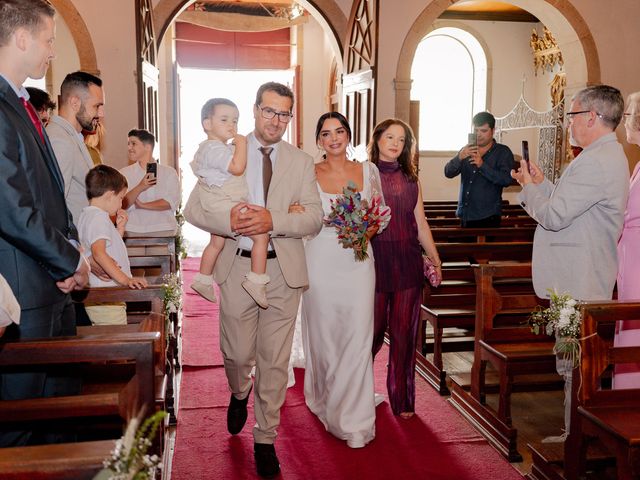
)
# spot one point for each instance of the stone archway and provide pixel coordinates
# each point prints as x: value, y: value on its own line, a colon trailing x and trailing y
x: 81, y: 35
x: 331, y: 17
x: 572, y: 33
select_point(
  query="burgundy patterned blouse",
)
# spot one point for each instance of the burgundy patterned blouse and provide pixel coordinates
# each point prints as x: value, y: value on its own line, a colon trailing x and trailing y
x: 397, y: 252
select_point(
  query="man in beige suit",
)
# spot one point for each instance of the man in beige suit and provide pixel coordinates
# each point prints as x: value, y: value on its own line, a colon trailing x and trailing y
x: 580, y: 218
x: 250, y: 335
x: 81, y: 107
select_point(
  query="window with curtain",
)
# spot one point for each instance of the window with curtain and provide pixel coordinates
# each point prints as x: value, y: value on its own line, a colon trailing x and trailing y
x: 449, y: 74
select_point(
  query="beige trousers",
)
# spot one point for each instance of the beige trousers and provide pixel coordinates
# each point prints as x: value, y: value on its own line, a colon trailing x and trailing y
x: 252, y: 336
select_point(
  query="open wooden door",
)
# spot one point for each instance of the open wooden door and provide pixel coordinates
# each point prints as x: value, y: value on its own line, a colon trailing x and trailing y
x: 148, y: 73
x: 359, y: 80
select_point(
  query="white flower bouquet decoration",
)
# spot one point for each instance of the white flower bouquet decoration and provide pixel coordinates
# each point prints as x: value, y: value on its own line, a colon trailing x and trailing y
x: 562, y: 319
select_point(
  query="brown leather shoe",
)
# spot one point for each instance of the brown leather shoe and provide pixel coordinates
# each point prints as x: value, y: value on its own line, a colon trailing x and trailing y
x: 267, y: 463
x: 237, y: 413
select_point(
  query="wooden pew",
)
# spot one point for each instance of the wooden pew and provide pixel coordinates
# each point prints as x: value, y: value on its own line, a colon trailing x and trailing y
x: 80, y: 460
x: 610, y: 416
x: 512, y: 221
x: 452, y: 305
x: 152, y: 267
x: 450, y: 212
x: 523, y: 361
x: 140, y: 245
x: 145, y: 312
x: 481, y: 235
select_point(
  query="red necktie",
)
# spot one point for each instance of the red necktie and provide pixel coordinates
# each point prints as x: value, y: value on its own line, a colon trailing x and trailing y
x: 33, y: 116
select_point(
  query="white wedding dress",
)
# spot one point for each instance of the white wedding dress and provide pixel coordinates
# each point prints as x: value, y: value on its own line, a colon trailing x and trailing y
x: 337, y: 330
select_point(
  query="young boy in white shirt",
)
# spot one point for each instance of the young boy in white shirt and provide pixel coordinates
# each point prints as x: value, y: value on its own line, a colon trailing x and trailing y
x: 106, y: 187
x: 220, y: 169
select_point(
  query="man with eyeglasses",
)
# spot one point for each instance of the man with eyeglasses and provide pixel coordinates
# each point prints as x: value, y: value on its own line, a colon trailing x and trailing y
x: 278, y: 176
x: 580, y: 218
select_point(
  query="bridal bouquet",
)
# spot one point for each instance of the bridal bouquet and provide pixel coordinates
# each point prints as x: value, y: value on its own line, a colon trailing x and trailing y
x: 352, y: 215
x: 562, y: 319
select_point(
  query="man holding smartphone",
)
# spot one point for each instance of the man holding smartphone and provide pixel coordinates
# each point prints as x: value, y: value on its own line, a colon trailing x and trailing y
x: 484, y: 167
x: 154, y: 190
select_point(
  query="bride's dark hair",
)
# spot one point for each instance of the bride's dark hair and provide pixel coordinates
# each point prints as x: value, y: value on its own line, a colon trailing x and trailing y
x: 338, y: 116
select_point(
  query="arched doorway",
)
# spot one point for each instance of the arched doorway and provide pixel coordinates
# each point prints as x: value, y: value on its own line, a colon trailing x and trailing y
x: 582, y: 63
x: 179, y: 126
x: 80, y: 34
x: 326, y: 12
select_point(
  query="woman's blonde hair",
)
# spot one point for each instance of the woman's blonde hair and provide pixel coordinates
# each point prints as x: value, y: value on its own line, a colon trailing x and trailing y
x: 633, y: 109
x: 96, y: 139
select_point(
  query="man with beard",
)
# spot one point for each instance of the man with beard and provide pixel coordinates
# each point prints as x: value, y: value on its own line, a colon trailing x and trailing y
x: 484, y: 166
x: 81, y: 108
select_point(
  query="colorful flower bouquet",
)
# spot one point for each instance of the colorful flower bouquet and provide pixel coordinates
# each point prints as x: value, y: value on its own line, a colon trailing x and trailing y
x: 562, y: 319
x: 352, y: 216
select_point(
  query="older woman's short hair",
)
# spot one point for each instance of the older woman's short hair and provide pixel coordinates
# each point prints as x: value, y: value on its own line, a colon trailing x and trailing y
x: 633, y: 109
x: 606, y: 101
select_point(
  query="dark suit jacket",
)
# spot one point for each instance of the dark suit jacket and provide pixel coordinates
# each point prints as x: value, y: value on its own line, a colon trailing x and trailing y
x: 35, y: 224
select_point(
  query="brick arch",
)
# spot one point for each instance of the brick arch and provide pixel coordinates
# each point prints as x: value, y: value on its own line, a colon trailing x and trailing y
x: 80, y: 34
x: 332, y: 17
x: 582, y: 63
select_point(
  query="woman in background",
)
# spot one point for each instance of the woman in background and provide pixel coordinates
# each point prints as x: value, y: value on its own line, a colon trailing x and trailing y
x: 399, y: 266
x: 628, y: 331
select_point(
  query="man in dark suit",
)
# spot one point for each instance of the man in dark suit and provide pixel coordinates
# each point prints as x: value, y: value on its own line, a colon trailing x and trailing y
x: 38, y: 241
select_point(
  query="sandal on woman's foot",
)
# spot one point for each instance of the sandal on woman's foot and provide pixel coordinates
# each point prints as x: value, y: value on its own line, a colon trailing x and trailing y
x: 407, y: 415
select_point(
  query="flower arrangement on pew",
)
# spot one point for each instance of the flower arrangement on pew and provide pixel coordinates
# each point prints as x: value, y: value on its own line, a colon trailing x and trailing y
x: 562, y: 319
x: 352, y: 216
x: 130, y: 459
x: 181, y: 243
x: 172, y: 291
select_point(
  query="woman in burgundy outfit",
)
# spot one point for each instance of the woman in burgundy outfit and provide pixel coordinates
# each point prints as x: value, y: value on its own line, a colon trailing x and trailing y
x: 399, y: 268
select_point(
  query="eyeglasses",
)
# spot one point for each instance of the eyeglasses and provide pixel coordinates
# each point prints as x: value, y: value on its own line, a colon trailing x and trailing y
x: 570, y: 115
x: 269, y: 113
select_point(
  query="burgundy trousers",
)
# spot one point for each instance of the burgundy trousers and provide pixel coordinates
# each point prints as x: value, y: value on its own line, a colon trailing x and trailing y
x: 399, y: 312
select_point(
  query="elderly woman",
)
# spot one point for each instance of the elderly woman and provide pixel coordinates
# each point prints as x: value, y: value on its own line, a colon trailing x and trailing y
x: 628, y: 331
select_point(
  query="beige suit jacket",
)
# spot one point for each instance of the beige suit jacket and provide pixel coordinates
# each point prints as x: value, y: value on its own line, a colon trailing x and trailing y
x: 74, y: 161
x: 293, y: 180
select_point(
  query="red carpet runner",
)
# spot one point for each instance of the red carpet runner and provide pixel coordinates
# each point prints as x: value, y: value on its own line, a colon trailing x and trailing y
x: 436, y: 444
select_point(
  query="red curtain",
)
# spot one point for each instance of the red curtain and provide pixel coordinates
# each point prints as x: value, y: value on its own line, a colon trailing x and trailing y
x: 202, y: 47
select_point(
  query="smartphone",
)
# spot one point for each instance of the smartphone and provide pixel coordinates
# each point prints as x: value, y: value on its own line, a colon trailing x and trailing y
x: 525, y: 151
x: 472, y: 139
x: 152, y: 168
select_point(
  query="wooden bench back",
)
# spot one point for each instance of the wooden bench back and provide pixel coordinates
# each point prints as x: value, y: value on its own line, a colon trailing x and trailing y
x: 482, y: 235
x: 138, y: 395
x: 485, y: 252
x: 492, y: 301
x: 598, y: 353
x: 145, y: 306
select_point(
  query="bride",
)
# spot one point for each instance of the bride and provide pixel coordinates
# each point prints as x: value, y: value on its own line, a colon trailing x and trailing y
x: 337, y: 309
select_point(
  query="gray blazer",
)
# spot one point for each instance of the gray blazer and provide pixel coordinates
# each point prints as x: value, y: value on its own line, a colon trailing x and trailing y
x: 294, y: 180
x: 579, y: 223
x: 74, y: 160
